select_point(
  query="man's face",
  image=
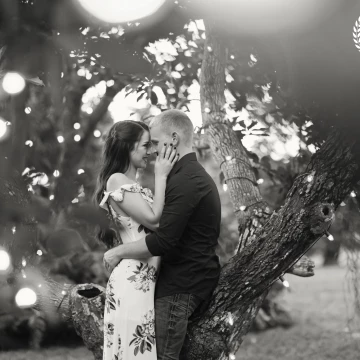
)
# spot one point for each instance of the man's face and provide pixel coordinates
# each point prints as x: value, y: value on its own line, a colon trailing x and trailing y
x: 159, y: 138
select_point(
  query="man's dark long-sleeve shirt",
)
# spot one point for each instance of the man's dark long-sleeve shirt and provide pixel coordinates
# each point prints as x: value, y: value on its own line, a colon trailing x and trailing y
x: 188, y: 232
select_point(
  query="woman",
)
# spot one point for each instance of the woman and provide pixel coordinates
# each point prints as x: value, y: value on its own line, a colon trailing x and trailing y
x: 129, y: 331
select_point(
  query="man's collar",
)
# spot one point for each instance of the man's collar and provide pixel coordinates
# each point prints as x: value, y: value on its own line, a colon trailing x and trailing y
x: 185, y: 159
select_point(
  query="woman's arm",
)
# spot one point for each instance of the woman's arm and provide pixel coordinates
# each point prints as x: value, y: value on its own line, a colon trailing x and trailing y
x: 134, y: 205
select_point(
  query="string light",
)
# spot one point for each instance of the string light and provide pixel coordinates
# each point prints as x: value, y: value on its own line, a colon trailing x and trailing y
x: 110, y: 83
x: 5, y: 260
x: 353, y: 194
x: 329, y: 236
x: 228, y: 158
x: 225, y: 187
x: 310, y: 178
x: 13, y: 83
x: 230, y: 319
x: 13, y: 229
x: 28, y: 110
x: 232, y: 357
x: 51, y: 197
x: 39, y: 252
x: 243, y: 208
x: 81, y: 171
x: 29, y: 143
x: 63, y: 292
x: 285, y: 282
x: 81, y: 72
x: 97, y: 133
x: 89, y: 110
x: 25, y: 297
x: 60, y: 139
x: 3, y: 127
x: 77, y: 137
x: 260, y: 181
x: 23, y: 262
x: 77, y: 126
x: 342, y: 204
x: 56, y: 173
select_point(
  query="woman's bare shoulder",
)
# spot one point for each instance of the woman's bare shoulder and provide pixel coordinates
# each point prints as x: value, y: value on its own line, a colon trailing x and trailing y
x: 117, y: 180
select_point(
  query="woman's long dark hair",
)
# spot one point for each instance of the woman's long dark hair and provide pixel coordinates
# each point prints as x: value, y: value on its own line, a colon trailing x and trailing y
x: 119, y: 143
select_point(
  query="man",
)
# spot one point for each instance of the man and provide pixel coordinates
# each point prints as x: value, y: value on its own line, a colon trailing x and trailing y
x: 186, y: 238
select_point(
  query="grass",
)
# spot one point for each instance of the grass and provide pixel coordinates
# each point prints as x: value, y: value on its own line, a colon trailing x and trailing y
x: 320, y: 308
x: 320, y: 311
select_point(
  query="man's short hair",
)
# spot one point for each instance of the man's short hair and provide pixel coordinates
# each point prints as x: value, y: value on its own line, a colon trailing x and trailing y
x: 175, y: 120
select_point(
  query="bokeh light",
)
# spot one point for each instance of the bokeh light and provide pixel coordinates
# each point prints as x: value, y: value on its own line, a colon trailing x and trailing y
x: 115, y: 11
x: 25, y: 297
x: 13, y: 83
x: 4, y: 260
x: 3, y: 127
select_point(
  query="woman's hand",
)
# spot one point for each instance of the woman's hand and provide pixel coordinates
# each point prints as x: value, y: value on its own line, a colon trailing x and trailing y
x: 165, y: 161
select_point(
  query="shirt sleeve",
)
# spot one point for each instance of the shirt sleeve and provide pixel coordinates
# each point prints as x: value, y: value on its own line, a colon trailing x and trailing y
x: 180, y: 201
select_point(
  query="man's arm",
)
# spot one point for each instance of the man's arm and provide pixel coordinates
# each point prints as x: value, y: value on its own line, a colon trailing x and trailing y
x: 133, y: 250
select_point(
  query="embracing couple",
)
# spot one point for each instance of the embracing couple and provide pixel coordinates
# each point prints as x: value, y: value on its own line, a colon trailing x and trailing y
x: 165, y: 270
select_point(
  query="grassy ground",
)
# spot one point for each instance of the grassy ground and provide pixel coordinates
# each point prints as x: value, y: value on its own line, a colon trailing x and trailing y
x: 320, y: 332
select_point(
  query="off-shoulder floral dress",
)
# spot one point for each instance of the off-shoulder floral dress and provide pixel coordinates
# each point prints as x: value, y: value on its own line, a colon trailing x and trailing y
x: 129, y: 318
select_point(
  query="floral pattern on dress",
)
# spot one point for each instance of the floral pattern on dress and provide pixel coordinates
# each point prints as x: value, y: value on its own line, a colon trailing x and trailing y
x: 143, y: 277
x: 144, y: 335
x: 109, y: 333
x: 119, y: 355
x: 110, y: 303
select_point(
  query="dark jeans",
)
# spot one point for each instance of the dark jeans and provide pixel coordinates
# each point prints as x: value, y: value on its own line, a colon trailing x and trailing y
x: 171, y: 319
